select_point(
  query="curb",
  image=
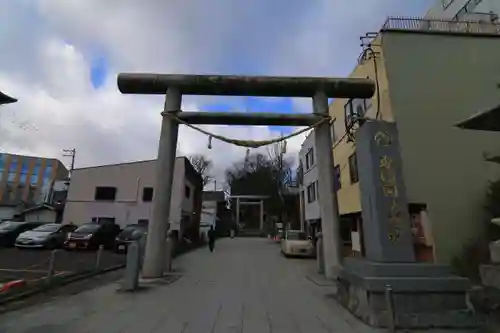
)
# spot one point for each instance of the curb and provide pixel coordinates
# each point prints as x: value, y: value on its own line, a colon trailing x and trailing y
x: 62, y: 282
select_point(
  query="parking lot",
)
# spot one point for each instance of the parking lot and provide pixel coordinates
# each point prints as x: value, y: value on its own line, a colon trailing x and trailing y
x: 16, y: 264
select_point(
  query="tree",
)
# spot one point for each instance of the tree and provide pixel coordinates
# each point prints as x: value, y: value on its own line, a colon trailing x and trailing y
x: 203, y: 166
x: 258, y: 174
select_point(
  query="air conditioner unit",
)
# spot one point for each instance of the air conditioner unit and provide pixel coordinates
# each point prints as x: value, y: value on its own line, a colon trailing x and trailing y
x: 355, y: 111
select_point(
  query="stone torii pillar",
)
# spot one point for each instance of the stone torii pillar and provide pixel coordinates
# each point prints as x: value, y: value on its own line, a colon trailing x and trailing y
x: 318, y: 88
x: 157, y: 231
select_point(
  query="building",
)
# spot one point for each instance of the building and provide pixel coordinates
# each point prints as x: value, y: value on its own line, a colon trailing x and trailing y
x: 123, y: 194
x: 213, y: 206
x: 26, y: 181
x: 465, y: 10
x: 308, y: 185
x: 6, y: 99
x: 426, y: 91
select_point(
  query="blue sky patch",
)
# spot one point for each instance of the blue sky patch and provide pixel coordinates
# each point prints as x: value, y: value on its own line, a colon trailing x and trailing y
x: 98, y: 72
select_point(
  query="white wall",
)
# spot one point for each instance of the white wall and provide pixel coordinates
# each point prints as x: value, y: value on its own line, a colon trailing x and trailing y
x: 311, y: 209
x: 130, y: 179
x: 208, y: 212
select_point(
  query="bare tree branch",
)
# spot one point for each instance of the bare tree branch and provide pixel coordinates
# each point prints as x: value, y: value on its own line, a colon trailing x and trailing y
x: 203, y: 166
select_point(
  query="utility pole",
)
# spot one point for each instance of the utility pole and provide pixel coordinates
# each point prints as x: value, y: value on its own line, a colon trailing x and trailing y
x: 70, y: 153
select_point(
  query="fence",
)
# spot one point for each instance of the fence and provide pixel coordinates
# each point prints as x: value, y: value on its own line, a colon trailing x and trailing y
x: 439, y: 25
x: 55, y: 268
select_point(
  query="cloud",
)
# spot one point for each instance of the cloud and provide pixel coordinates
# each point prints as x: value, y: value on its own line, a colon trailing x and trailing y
x: 50, y: 49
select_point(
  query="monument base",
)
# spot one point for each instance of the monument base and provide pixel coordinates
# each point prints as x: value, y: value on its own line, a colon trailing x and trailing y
x: 423, y: 295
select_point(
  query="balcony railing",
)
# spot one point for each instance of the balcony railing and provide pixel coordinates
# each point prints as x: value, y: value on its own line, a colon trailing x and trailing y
x: 438, y: 25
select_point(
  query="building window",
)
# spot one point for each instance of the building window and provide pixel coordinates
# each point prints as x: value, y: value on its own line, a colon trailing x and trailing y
x: 11, y: 177
x: 144, y: 222
x: 13, y: 165
x: 105, y: 193
x: 147, y: 194
x: 311, y: 193
x: 36, y: 172
x: 24, y: 172
x: 310, y: 159
x: 337, y: 183
x: 353, y: 168
x: 354, y: 109
x: 47, y: 174
x: 187, y: 191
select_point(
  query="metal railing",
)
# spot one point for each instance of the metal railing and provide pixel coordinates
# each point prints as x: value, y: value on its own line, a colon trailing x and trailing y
x: 439, y: 25
x: 55, y: 268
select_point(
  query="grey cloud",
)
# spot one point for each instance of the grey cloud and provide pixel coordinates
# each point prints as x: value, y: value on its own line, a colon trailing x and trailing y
x: 50, y: 44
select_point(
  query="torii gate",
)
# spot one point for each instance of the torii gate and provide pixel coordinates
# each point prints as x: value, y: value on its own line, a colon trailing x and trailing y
x: 245, y: 201
x: 174, y: 86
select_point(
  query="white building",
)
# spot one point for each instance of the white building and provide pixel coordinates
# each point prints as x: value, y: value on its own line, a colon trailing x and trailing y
x: 308, y: 183
x: 209, y: 212
x: 123, y: 194
x: 465, y: 10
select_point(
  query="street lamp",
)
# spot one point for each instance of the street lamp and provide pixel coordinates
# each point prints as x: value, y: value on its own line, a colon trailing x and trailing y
x: 6, y: 99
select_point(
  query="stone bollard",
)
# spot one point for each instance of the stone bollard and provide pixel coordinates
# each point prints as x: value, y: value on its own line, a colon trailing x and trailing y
x: 319, y: 253
x: 99, y: 256
x: 52, y: 264
x: 391, y: 320
x: 169, y: 249
x: 131, y: 279
x: 142, y: 248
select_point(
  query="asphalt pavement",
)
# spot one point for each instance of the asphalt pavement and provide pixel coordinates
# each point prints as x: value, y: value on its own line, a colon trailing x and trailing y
x: 32, y: 264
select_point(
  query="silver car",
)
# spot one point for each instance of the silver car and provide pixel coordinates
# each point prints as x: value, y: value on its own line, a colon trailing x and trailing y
x: 50, y: 235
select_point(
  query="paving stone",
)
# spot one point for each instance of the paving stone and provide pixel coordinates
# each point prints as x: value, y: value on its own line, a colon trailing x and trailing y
x: 244, y: 286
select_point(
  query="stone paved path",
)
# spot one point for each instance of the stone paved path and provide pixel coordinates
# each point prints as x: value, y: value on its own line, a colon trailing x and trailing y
x: 245, y: 286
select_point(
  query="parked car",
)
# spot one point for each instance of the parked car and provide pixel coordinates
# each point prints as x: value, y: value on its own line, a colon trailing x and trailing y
x: 131, y: 233
x: 92, y: 235
x: 10, y: 230
x: 50, y: 235
x: 277, y: 236
x: 296, y: 243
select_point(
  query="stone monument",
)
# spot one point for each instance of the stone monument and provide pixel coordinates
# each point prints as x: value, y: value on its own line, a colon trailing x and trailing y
x: 424, y: 294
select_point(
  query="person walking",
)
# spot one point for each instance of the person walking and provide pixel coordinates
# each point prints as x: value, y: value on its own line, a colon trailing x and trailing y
x: 211, y: 238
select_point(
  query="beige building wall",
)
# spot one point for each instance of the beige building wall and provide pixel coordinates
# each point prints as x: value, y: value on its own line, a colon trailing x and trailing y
x: 447, y: 78
x: 130, y: 179
x: 349, y: 195
x: 427, y: 89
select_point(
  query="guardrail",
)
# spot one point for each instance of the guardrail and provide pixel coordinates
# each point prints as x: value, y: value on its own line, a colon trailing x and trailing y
x: 58, y: 268
x: 439, y: 25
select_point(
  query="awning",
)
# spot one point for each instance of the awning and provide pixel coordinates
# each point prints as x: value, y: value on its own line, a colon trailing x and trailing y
x: 6, y: 99
x: 484, y: 121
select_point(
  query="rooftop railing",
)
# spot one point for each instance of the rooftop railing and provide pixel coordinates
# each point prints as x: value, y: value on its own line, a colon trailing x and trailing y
x: 439, y: 25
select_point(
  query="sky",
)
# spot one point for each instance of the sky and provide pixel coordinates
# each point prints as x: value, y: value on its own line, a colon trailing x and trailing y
x: 60, y: 58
